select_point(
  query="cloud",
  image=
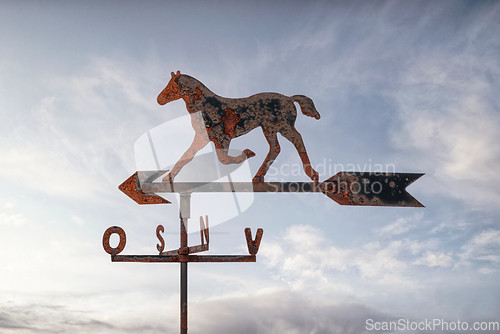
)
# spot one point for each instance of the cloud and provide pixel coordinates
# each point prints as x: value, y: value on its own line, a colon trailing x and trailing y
x: 435, y: 260
x: 400, y: 226
x: 281, y: 312
x: 274, y: 311
x: 436, y: 84
x: 48, y: 318
x: 306, y: 260
x: 15, y: 219
x: 7, y: 322
x: 126, y: 312
x: 450, y: 117
x: 9, y: 205
x: 416, y: 247
x: 485, y: 246
x: 78, y: 220
x: 74, y: 140
x: 487, y: 271
x: 48, y: 171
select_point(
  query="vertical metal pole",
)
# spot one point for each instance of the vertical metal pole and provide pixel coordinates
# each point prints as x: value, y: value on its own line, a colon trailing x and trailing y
x: 184, y: 214
x: 184, y: 315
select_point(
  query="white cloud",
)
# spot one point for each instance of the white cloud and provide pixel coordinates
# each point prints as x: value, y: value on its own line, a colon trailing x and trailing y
x: 416, y: 247
x: 78, y: 313
x: 77, y: 220
x: 487, y: 270
x: 452, y: 225
x: 308, y: 259
x: 450, y: 116
x: 15, y: 219
x: 400, y: 226
x: 492, y: 258
x: 73, y: 142
x: 435, y: 260
x: 485, y: 246
x: 47, y: 171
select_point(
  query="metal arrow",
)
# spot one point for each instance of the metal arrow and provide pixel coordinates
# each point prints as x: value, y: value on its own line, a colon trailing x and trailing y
x: 345, y: 188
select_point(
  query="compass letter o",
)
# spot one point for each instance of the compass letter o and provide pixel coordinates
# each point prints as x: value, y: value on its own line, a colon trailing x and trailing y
x: 121, y: 244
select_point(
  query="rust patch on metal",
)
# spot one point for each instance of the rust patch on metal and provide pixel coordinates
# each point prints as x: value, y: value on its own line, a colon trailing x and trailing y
x: 197, y: 94
x: 230, y: 119
x: 132, y: 188
x: 223, y: 119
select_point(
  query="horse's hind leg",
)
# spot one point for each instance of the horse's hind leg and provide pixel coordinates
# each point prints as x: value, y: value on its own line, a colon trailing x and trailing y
x: 296, y: 139
x: 274, y: 150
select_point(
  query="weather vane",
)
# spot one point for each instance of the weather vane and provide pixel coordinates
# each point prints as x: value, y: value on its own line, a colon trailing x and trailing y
x: 218, y: 120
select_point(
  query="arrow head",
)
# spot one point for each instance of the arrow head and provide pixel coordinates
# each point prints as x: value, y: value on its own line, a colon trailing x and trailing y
x: 371, y: 189
x: 132, y: 188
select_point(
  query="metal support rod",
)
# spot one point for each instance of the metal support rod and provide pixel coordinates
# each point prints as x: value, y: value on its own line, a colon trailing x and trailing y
x: 184, y: 301
x: 184, y: 215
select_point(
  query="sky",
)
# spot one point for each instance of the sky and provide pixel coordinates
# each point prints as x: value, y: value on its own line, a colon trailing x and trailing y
x: 409, y: 85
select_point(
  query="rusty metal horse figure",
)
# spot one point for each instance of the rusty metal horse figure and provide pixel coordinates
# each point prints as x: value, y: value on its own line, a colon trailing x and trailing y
x: 219, y: 119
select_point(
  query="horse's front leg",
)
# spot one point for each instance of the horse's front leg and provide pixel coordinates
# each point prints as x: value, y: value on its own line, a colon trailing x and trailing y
x: 222, y: 147
x: 199, y: 142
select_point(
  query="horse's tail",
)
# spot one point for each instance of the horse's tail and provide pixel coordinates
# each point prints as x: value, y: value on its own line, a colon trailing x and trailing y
x: 306, y: 106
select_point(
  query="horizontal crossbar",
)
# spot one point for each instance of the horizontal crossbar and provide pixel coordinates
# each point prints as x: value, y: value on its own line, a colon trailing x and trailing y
x: 183, y: 258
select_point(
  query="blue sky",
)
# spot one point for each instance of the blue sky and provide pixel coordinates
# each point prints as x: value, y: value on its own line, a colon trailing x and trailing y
x: 410, y: 84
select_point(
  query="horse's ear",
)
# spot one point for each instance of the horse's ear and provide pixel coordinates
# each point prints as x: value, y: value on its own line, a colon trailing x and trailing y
x: 178, y: 72
x: 173, y: 75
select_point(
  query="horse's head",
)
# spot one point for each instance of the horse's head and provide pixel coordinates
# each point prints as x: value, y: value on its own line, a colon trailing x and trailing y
x: 172, y: 92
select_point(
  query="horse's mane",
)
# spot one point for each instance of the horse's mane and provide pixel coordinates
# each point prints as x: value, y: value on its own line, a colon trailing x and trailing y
x: 193, y: 83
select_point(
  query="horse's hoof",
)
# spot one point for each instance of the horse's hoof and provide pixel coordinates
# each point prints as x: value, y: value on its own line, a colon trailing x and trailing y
x: 258, y: 179
x: 315, y: 176
x: 249, y: 153
x: 168, y: 178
